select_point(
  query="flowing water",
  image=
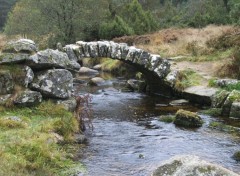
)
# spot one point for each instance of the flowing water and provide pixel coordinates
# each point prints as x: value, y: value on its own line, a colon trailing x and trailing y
x: 128, y: 139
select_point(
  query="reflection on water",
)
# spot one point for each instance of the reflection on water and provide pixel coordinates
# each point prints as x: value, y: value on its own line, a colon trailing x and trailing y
x: 129, y: 140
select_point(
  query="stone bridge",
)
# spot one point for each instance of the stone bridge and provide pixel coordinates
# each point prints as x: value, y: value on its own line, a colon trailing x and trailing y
x: 139, y: 58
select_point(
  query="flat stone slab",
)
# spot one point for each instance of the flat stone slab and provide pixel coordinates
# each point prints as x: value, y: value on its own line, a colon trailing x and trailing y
x: 200, y: 94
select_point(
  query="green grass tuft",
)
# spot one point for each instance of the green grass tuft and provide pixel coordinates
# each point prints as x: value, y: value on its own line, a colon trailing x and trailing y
x: 167, y: 118
x: 30, y: 145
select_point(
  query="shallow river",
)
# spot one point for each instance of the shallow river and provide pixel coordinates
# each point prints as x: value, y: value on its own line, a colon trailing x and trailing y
x: 128, y: 139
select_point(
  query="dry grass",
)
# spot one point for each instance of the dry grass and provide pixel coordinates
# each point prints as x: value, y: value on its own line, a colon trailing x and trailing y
x: 176, y: 42
x: 3, y: 40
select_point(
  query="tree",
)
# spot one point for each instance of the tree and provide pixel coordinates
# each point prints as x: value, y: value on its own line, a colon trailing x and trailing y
x: 5, y: 7
x: 116, y: 28
x: 57, y: 20
x: 139, y: 20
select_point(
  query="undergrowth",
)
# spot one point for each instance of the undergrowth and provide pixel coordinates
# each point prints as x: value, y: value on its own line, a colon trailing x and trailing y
x: 187, y: 78
x: 29, y: 140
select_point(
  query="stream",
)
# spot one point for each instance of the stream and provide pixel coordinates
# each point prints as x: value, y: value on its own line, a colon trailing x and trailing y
x: 128, y: 139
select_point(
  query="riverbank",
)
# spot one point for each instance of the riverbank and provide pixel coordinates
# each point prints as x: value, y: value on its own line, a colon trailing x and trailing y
x: 38, y: 141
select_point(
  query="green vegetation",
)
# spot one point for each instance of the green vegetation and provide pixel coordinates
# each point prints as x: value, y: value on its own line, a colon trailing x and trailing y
x: 187, y: 119
x: 187, y: 78
x: 215, y: 112
x: 49, y: 22
x: 167, y: 118
x: 236, y: 156
x: 30, y: 141
x: 223, y: 127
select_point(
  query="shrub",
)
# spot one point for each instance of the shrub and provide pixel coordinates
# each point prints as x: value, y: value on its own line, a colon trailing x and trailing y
x: 115, y: 28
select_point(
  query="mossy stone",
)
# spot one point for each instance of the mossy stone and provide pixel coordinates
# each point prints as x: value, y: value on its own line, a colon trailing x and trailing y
x: 187, y: 119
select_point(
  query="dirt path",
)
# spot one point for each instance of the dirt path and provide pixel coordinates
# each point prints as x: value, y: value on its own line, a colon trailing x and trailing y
x: 205, y: 69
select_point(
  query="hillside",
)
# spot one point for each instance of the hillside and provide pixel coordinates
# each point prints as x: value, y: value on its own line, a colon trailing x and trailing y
x: 207, y: 51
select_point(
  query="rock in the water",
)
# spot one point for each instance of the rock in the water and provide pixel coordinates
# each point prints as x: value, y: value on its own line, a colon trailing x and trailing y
x: 200, y: 94
x: 190, y: 165
x: 97, y: 81
x: 187, y: 119
x: 235, y: 110
x: 69, y: 104
x: 219, y: 98
x: 232, y: 97
x: 13, y: 58
x: 137, y: 85
x: 80, y: 138
x: 85, y: 70
x: 57, y: 83
x: 22, y: 45
x: 6, y: 82
x: 180, y: 102
x: 236, y: 156
x: 49, y: 58
x: 97, y: 67
x: 28, y: 98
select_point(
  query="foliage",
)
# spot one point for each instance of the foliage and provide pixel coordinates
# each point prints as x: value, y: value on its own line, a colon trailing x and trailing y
x: 216, y: 112
x: 139, y: 20
x: 5, y: 7
x: 167, y: 118
x: 186, y: 79
x: 116, y: 28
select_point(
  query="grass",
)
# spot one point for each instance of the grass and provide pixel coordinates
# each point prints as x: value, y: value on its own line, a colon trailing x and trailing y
x: 223, y: 127
x: 188, y: 78
x: 167, y: 118
x: 215, y: 112
x: 28, y: 144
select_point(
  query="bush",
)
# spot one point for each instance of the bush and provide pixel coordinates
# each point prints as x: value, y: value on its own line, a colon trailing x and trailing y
x: 116, y: 28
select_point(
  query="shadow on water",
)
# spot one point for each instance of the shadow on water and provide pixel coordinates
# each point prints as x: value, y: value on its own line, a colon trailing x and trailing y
x: 128, y: 139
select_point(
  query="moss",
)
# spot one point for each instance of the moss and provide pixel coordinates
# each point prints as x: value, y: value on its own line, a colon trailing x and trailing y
x: 236, y: 156
x: 8, y: 123
x: 234, y: 96
x: 216, y: 112
x: 187, y: 119
x: 167, y: 118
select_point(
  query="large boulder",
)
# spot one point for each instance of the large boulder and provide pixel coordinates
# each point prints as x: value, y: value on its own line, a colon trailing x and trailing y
x: 6, y: 82
x: 13, y: 58
x: 234, y: 96
x: 57, y: 83
x: 190, y: 165
x: 187, y: 119
x: 28, y: 98
x: 22, y: 45
x: 200, y: 94
x: 235, y: 110
x: 4, y: 99
x: 51, y: 59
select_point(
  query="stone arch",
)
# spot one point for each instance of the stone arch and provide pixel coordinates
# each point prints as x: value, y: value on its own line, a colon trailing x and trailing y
x: 152, y: 66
